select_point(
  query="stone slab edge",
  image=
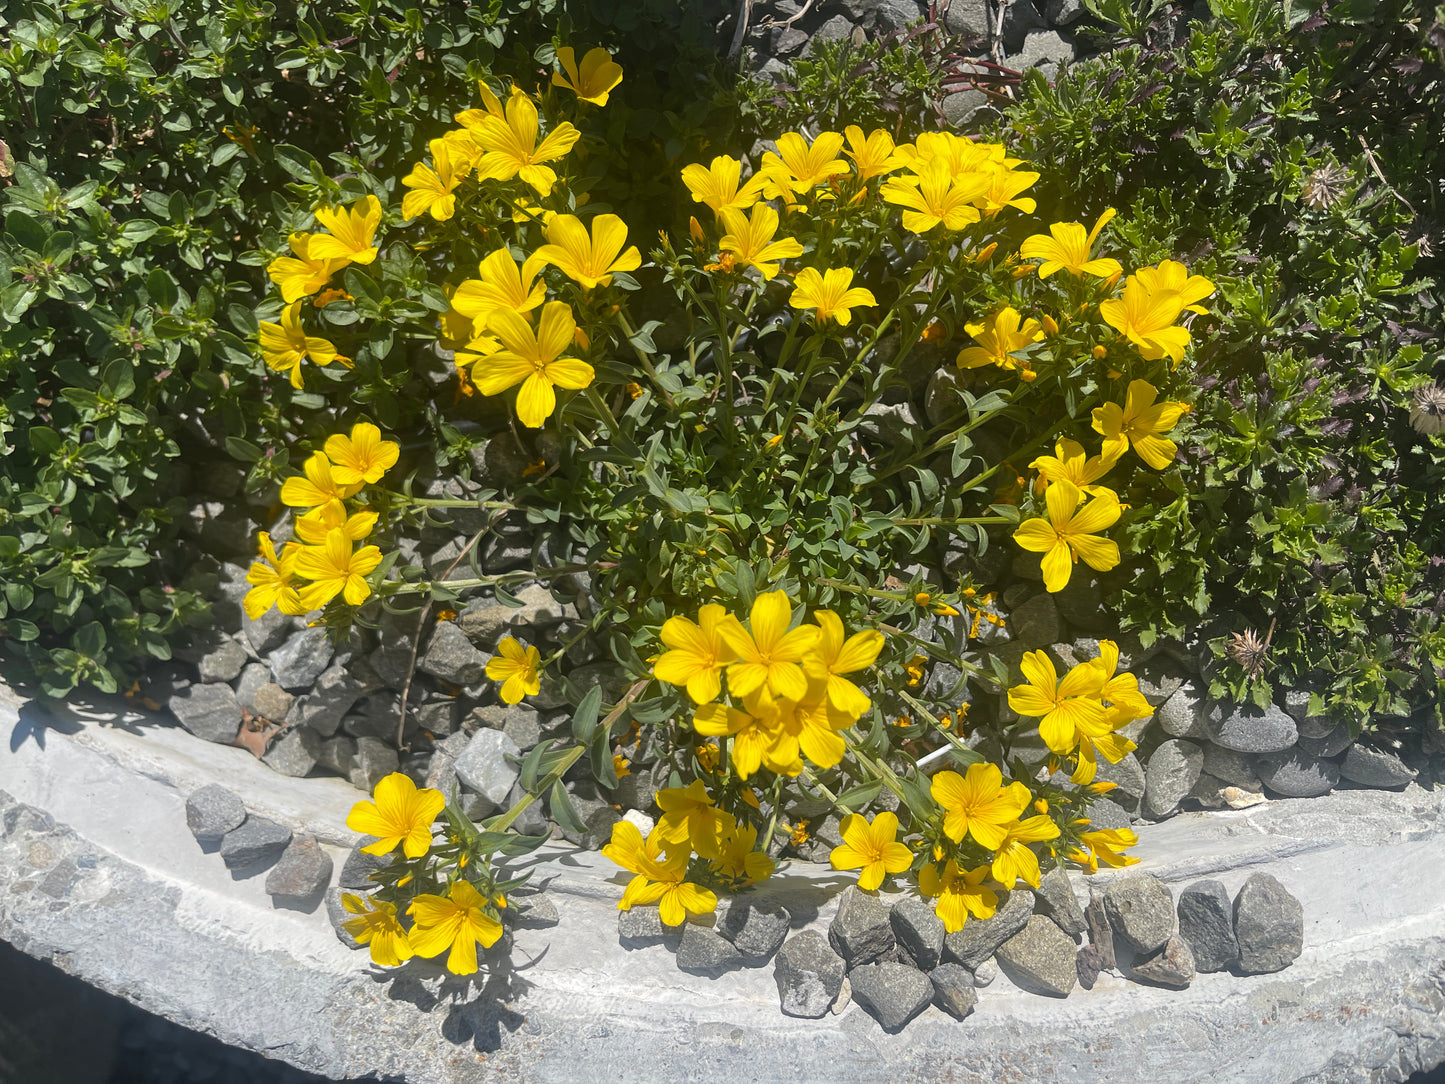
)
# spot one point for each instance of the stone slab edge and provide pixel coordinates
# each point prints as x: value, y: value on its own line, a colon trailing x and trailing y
x: 135, y: 915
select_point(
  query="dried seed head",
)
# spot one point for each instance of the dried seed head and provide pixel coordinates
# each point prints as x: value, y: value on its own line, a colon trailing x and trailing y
x: 1325, y: 187
x: 1247, y: 649
x: 1428, y: 413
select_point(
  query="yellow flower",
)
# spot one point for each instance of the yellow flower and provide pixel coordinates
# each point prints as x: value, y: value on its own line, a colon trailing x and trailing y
x: 871, y: 848
x: 690, y: 816
x: 978, y: 804
x: 698, y: 654
x: 676, y: 898
x: 1064, y: 707
x: 1069, y: 249
x: 1014, y: 860
x: 303, y: 274
x: 400, y: 814
x: 516, y: 668
x: 361, y: 457
x: 1071, y: 464
x: 376, y: 925
x: 621, y: 766
x: 589, y: 261
x: 313, y: 527
x: 1140, y: 422
x: 737, y: 861
x: 751, y: 239
x: 1153, y: 299
x: 718, y: 185
x: 272, y: 581
x: 872, y: 156
x: 318, y: 487
x: 830, y: 293
x: 433, y: 187
x: 960, y: 893
x: 336, y: 570
x: 1104, y: 846
x: 501, y: 284
x: 353, y: 231
x: 1069, y: 533
x: 1003, y: 190
x: 770, y: 655
x: 510, y: 148
x: 457, y: 922
x: 798, y: 166
x: 816, y: 721
x: 598, y: 75
x: 935, y: 197
x: 285, y: 345
x: 835, y: 656
x: 999, y: 336
x: 758, y: 737
x: 534, y: 360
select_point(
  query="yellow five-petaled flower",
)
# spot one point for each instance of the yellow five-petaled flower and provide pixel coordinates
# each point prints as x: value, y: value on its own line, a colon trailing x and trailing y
x: 871, y: 848
x: 1070, y: 532
x: 831, y: 293
x: 516, y: 668
x: 400, y: 814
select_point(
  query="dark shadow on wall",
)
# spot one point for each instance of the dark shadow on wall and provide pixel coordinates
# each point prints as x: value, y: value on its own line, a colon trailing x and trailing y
x: 54, y: 1029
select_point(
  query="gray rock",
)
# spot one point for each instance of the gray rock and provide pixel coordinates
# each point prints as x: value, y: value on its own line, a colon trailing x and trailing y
x: 1207, y: 791
x: 1128, y: 774
x: 1081, y: 603
x: 1088, y: 962
x: 1375, y: 768
x: 970, y: 17
x: 270, y: 701
x: 985, y: 973
x: 1296, y: 703
x: 705, y: 952
x: 532, y: 821
x: 891, y: 993
x: 1158, y: 681
x: 298, y: 662
x: 208, y: 711
x: 942, y: 401
x: 483, y: 766
x: 332, y: 696
x: 757, y: 930
x: 809, y: 975
x: 1101, y: 934
x: 532, y: 910
x: 641, y: 927
x: 1233, y: 767
x: 255, y: 842
x: 498, y: 463
x: 252, y: 678
x: 844, y: 998
x: 860, y: 931
x: 439, y: 717
x: 1247, y: 729
x: 1064, y: 12
x: 953, y: 990
x: 1040, y: 958
x: 1174, y: 768
x: 269, y: 631
x: 1269, y: 923
x: 356, y: 871
x: 451, y: 657
x: 1329, y: 744
x: 337, y: 755
x: 375, y: 760
x: 835, y: 29
x: 1056, y: 900
x: 1039, y: 47
x: 522, y: 723
x: 213, y: 811
x: 1141, y: 912
x: 1171, y: 966
x: 1206, y: 921
x: 336, y: 911
x: 1183, y: 714
x: 1295, y: 774
x: 1036, y: 623
x: 979, y: 938
x: 301, y: 876
x: 958, y: 109
x: 294, y: 753
x: 224, y: 663
x: 1019, y: 18
x: 1103, y: 813
x: 919, y: 932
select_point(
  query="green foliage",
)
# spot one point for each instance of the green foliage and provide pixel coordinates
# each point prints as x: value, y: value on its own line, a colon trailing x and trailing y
x: 155, y: 153
x: 1295, y: 156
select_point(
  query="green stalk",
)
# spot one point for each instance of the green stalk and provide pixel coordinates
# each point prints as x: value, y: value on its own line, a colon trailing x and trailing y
x: 642, y: 359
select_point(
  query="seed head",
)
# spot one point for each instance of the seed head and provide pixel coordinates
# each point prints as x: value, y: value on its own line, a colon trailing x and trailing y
x: 1428, y: 413
x: 1325, y: 187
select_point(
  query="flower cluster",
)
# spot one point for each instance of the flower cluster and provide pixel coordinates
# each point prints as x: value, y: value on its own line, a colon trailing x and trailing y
x: 454, y: 921
x: 326, y: 554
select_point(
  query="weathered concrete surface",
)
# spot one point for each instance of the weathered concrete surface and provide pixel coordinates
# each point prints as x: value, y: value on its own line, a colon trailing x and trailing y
x: 99, y: 874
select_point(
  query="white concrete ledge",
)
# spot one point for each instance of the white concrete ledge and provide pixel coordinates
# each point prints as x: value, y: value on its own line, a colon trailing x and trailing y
x: 113, y: 888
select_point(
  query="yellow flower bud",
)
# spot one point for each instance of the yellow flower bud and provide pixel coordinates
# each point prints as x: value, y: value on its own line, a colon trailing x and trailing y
x: 1042, y: 805
x: 922, y: 598
x: 694, y: 227
x: 1049, y: 325
x: 1100, y: 352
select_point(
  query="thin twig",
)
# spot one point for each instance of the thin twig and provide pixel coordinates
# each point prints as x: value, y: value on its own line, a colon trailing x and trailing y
x: 771, y: 22
x: 745, y: 12
x: 1370, y: 157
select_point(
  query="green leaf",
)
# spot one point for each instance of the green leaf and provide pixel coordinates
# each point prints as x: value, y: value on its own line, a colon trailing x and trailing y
x: 44, y: 441
x: 244, y: 450
x: 599, y: 753
x: 295, y: 161
x: 584, y: 720
x: 559, y: 802
x: 532, y: 763
x: 855, y: 798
